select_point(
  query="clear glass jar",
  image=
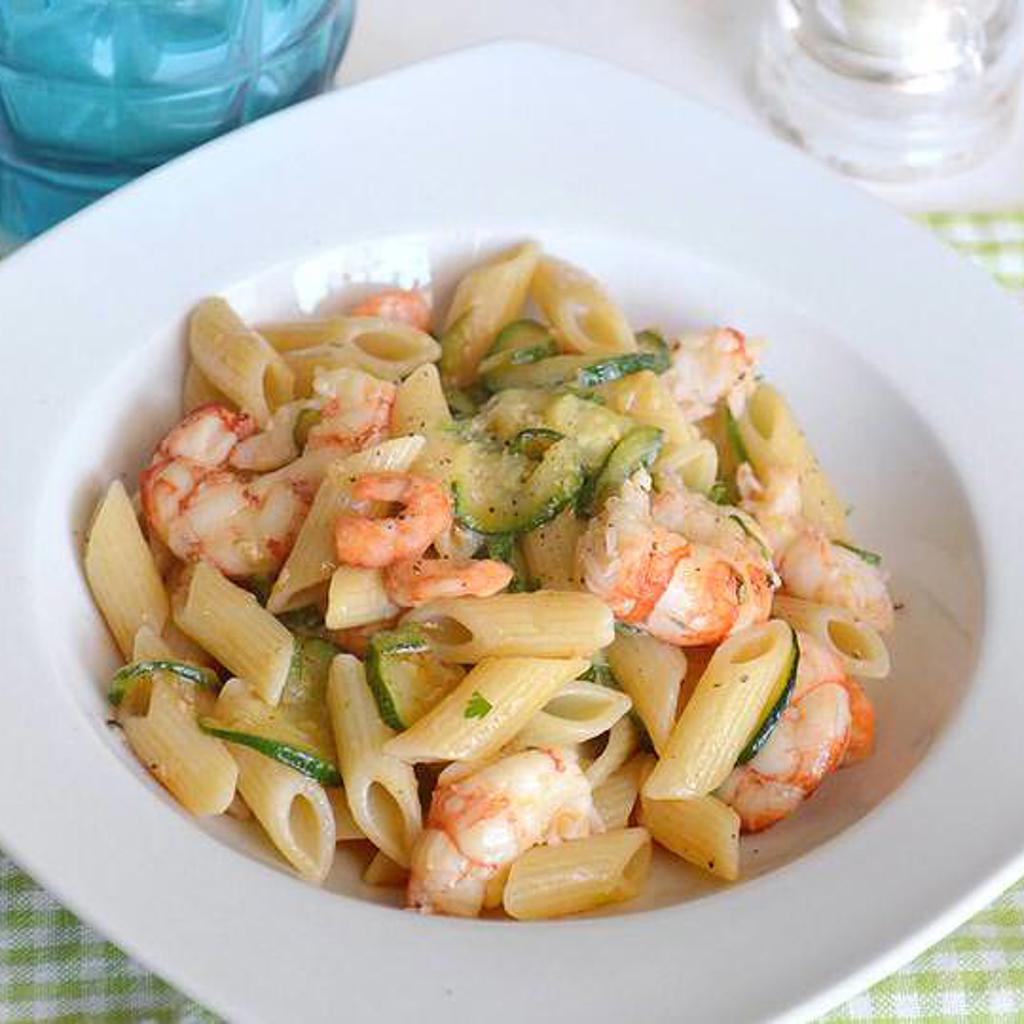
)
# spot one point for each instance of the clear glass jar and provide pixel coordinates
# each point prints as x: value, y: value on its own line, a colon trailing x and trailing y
x: 892, y: 89
x: 95, y: 92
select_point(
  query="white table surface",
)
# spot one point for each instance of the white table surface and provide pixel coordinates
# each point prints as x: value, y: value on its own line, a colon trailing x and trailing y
x: 703, y: 48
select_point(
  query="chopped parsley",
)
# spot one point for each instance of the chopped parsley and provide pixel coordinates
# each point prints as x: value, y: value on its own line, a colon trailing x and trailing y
x: 478, y: 706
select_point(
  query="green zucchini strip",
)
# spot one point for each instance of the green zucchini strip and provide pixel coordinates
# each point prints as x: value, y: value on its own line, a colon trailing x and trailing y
x: 126, y: 678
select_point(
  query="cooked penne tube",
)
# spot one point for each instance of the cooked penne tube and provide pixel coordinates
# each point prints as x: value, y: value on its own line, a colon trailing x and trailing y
x: 550, y: 552
x: 772, y: 438
x: 492, y: 703
x: 691, y: 466
x: 345, y: 828
x: 621, y: 742
x: 237, y: 361
x: 859, y: 646
x: 420, y: 405
x: 584, y: 318
x: 703, y: 831
x: 197, y: 390
x: 744, y: 673
x: 357, y: 597
x: 544, y: 624
x: 304, y: 575
x: 576, y: 713
x: 644, y: 397
x: 616, y: 796
x: 293, y: 810
x: 486, y: 299
x: 121, y: 572
x: 229, y: 623
x: 651, y: 672
x: 385, y: 348
x: 578, y: 875
x: 197, y: 769
x: 494, y: 891
x: 382, y: 791
x: 382, y: 871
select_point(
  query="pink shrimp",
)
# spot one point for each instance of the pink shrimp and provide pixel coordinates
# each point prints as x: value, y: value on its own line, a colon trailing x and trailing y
x: 828, y: 722
x: 408, y: 306
x: 682, y: 570
x: 374, y: 543
x: 201, y: 507
x: 412, y: 583
x: 711, y: 365
x: 482, y: 819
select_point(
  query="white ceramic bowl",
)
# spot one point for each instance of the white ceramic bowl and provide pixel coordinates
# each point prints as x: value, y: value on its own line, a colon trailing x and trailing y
x: 903, y: 363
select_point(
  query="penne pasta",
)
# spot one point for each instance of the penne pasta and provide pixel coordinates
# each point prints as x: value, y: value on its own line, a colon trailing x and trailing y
x: 703, y: 831
x: 121, y: 572
x: 357, y: 597
x: 644, y: 397
x: 859, y: 646
x: 485, y: 300
x: 385, y: 348
x: 579, y: 310
x: 293, y: 810
x: 345, y: 828
x: 237, y: 361
x: 772, y: 438
x: 304, y: 575
x: 651, y: 672
x: 382, y: 792
x: 163, y: 733
x: 197, y: 390
x: 691, y: 466
x: 544, y: 624
x: 383, y: 872
x: 550, y: 552
x: 616, y: 796
x: 494, y: 891
x: 578, y: 875
x: 721, y: 716
x: 491, y: 704
x: 620, y: 744
x: 229, y: 623
x: 420, y: 405
x: 576, y: 713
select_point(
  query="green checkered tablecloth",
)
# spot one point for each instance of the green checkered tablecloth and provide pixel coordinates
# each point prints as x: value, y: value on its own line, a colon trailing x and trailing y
x: 54, y: 968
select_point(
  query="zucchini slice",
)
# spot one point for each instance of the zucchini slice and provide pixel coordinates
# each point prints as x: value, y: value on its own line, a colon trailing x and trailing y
x: 575, y: 371
x: 125, y: 679
x: 501, y: 492
x: 638, y: 449
x: 406, y: 679
x: 776, y: 704
x: 297, y: 732
x: 653, y: 343
x: 305, y: 761
x: 533, y: 442
x: 521, y: 334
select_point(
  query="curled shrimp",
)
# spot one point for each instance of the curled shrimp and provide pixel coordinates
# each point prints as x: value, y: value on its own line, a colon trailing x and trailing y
x: 828, y: 722
x: 375, y: 543
x: 408, y: 306
x: 413, y: 583
x: 200, y: 506
x: 482, y: 819
x: 810, y: 565
x: 681, y: 569
x: 709, y: 366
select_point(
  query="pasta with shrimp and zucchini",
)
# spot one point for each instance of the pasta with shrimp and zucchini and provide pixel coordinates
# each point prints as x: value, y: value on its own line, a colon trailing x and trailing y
x: 497, y: 609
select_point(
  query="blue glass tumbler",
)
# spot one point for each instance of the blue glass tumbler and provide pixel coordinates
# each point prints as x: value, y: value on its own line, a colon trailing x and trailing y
x: 96, y: 92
